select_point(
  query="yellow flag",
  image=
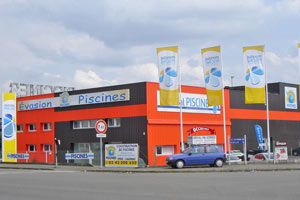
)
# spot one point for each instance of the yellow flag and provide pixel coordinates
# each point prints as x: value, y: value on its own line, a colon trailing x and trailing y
x: 255, y: 74
x: 212, y: 67
x: 9, y: 138
x: 168, y: 69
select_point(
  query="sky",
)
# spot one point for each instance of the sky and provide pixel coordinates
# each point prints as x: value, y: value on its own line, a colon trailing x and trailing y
x: 95, y: 43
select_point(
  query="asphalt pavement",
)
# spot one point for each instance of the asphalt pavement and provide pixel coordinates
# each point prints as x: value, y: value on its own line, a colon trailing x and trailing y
x: 291, y: 164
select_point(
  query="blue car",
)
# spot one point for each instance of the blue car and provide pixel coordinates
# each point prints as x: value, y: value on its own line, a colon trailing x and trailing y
x: 211, y: 155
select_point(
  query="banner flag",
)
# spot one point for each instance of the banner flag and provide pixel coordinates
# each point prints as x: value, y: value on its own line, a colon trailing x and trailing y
x: 9, y: 143
x: 168, y: 69
x: 254, y: 63
x: 212, y: 68
x: 259, y: 136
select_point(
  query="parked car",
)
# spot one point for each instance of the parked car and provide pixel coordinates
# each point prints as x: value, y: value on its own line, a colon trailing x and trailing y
x: 237, y: 153
x: 233, y: 159
x: 296, y: 152
x: 262, y: 157
x: 211, y: 155
x: 251, y: 153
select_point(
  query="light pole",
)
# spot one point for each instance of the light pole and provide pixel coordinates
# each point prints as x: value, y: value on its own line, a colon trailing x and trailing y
x: 231, y: 79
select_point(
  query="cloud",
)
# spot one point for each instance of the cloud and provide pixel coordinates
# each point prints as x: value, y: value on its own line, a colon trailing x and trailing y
x: 90, y: 79
x: 282, y: 68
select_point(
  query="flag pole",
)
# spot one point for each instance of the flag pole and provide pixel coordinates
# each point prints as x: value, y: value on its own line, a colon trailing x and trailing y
x: 180, y: 106
x: 267, y: 110
x: 223, y: 102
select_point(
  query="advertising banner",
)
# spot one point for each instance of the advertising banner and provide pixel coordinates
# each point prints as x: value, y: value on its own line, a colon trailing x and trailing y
x: 121, y: 155
x: 290, y: 98
x: 212, y: 68
x: 259, y: 136
x: 281, y: 151
x: 9, y: 138
x: 254, y: 64
x: 168, y: 68
x: 191, y: 103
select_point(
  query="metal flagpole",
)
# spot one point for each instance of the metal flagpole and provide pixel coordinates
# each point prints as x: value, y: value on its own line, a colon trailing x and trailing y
x: 223, y: 102
x: 180, y: 106
x: 267, y: 109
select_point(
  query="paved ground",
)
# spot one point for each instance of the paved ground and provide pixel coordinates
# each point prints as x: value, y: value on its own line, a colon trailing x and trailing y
x: 284, y: 166
x: 72, y: 185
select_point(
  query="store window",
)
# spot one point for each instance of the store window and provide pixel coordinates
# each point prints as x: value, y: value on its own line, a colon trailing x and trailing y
x: 164, y: 150
x: 114, y: 122
x: 20, y: 128
x: 84, y: 124
x: 31, y: 127
x: 32, y: 148
x: 46, y: 126
x: 47, y: 147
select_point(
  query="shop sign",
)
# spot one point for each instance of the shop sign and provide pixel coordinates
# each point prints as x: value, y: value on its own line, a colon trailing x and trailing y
x: 290, y: 97
x: 197, y: 129
x: 18, y: 156
x: 121, y: 155
x: 65, y: 100
x: 23, y: 89
x: 191, y: 103
x: 205, y: 139
x: 76, y: 156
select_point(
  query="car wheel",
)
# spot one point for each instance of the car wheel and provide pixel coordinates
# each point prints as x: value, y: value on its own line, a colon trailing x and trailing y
x: 295, y: 153
x: 219, y: 163
x: 179, y: 164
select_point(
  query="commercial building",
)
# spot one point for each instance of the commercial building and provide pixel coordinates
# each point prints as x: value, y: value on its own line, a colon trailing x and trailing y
x: 133, y: 115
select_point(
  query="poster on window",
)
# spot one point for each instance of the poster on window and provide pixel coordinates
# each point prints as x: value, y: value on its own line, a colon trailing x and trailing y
x: 121, y: 155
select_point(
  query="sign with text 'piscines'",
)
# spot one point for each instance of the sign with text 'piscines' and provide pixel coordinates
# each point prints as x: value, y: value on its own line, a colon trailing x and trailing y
x: 65, y: 100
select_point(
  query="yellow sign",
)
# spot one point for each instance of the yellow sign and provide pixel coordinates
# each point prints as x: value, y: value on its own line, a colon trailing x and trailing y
x: 212, y: 68
x: 168, y: 68
x: 254, y: 63
x: 9, y: 123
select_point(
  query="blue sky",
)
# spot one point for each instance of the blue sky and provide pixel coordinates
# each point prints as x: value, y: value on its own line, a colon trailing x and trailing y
x: 93, y: 43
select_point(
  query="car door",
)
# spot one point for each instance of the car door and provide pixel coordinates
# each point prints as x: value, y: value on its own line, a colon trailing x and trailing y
x: 211, y: 153
x: 196, y: 156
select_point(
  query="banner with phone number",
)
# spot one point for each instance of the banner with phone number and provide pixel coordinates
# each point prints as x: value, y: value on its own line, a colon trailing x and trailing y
x: 121, y: 155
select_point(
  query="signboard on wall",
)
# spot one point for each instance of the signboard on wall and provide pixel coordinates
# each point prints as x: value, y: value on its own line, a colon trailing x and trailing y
x: 205, y: 139
x: 73, y: 100
x: 121, y: 155
x: 290, y: 97
x: 191, y: 103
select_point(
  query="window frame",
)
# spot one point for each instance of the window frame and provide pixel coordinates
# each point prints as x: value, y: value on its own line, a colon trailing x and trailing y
x: 34, y: 145
x: 49, y: 148
x: 162, y: 150
x: 113, y: 122
x: 31, y: 130
x: 49, y: 124
x: 20, y: 130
